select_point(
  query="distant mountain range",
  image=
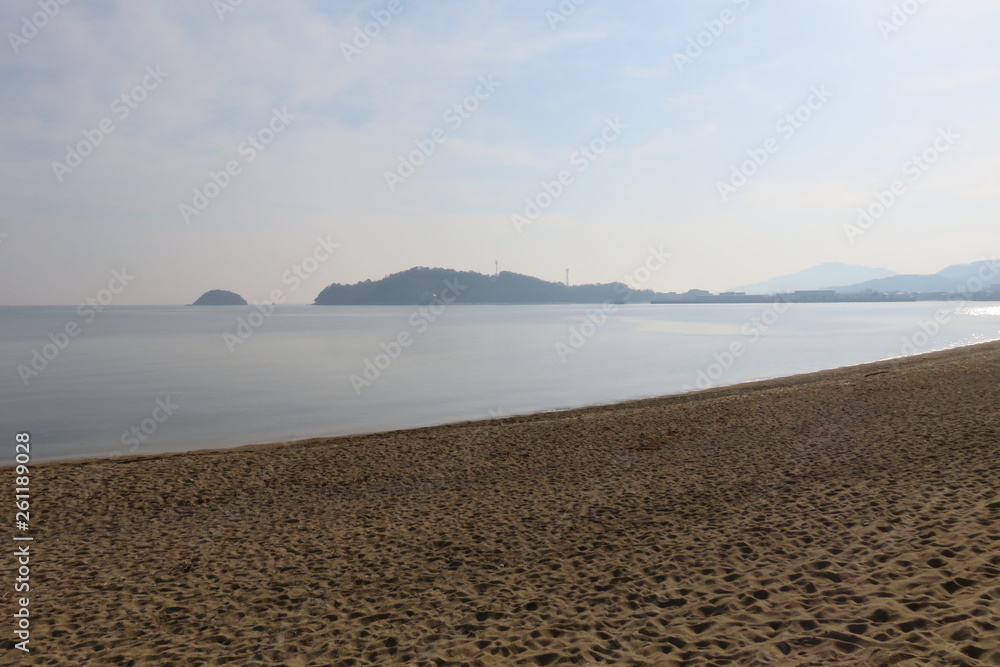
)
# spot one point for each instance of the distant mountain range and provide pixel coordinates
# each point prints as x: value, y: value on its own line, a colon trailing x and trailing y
x: 823, y: 276
x: 422, y: 285
x: 852, y: 279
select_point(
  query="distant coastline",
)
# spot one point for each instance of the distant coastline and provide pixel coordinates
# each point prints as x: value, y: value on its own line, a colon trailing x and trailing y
x: 437, y: 286
x: 823, y: 296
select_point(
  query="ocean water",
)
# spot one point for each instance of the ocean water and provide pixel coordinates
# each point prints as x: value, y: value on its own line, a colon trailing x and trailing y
x: 141, y: 380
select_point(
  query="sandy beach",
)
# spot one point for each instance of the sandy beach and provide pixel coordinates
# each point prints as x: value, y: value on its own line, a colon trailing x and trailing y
x: 849, y: 517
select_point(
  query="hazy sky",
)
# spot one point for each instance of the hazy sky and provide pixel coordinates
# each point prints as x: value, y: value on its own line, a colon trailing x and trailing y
x: 183, y: 84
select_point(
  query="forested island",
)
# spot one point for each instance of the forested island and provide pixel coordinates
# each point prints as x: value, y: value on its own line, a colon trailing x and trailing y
x: 422, y: 285
x: 220, y: 297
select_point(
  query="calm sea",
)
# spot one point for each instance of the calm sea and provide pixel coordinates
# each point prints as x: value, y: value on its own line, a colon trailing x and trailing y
x: 143, y: 380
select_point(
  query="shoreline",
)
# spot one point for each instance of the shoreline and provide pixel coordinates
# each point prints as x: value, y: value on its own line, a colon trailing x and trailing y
x: 847, y: 516
x: 750, y: 385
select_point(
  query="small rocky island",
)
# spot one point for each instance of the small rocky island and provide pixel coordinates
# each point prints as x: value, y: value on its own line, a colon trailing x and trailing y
x: 220, y: 297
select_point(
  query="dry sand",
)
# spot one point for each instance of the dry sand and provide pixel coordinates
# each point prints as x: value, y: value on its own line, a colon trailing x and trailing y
x: 849, y: 517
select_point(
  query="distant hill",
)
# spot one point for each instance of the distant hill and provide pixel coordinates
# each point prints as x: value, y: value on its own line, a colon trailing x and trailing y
x: 988, y: 271
x: 956, y: 278
x: 422, y: 285
x: 220, y: 297
x: 854, y: 278
x: 901, y: 283
x: 824, y: 276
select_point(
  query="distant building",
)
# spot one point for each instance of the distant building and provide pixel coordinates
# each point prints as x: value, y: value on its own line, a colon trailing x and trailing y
x: 813, y: 295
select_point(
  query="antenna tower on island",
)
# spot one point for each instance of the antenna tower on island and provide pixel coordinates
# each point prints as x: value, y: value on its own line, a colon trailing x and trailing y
x: 497, y: 273
x: 567, y: 277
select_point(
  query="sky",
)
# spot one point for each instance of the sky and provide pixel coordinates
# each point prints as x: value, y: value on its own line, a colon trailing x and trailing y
x: 166, y: 148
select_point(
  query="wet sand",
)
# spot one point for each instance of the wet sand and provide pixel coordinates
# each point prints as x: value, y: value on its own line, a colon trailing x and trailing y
x: 849, y: 517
